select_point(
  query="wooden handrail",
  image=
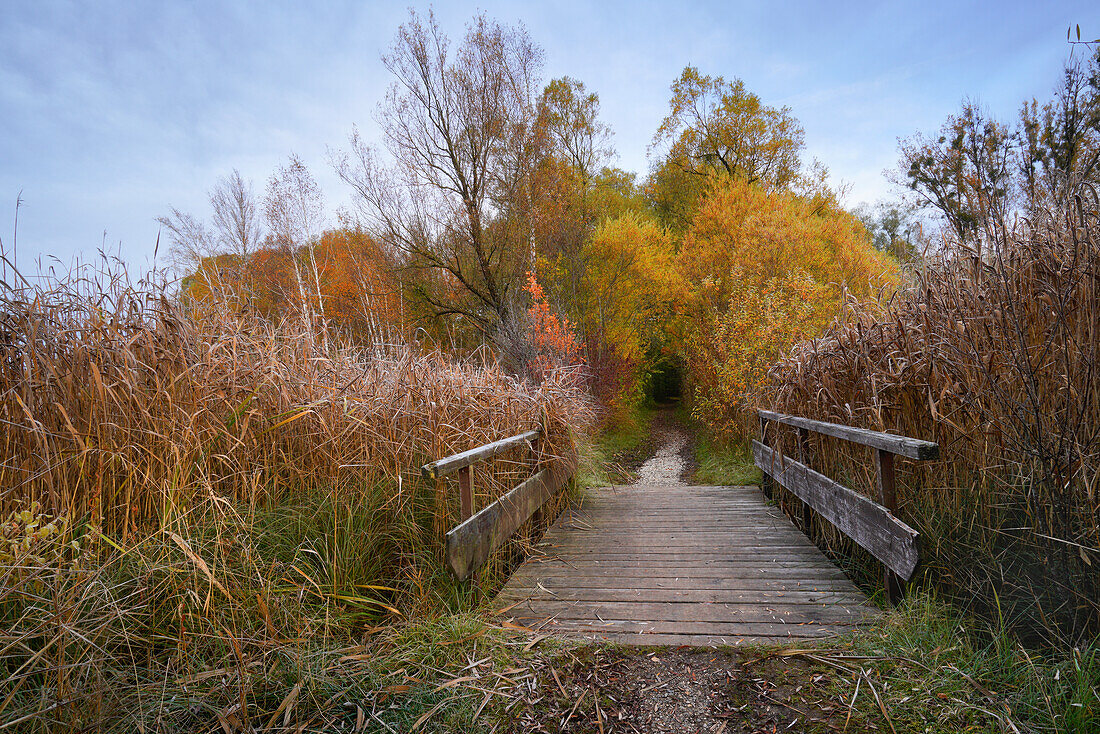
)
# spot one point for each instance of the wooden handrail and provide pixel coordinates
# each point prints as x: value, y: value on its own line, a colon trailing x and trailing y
x: 870, y: 524
x: 471, y: 541
x: 454, y: 462
x: 912, y: 448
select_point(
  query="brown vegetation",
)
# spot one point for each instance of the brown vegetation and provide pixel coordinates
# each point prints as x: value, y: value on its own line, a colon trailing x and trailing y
x: 994, y: 354
x: 179, y: 484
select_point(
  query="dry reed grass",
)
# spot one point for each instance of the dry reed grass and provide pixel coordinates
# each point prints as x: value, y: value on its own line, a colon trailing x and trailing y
x: 121, y: 406
x: 995, y: 354
x: 230, y: 499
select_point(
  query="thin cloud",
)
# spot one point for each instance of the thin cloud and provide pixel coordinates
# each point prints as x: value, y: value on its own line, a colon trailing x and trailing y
x: 111, y: 113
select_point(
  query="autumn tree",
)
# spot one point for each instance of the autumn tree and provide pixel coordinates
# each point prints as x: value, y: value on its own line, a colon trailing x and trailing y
x: 570, y: 115
x: 361, y: 296
x: 715, y: 126
x: 894, y: 228
x: 626, y: 297
x: 616, y: 192
x: 1060, y: 139
x: 294, y: 210
x: 765, y: 269
x: 965, y: 172
x: 459, y: 125
x: 234, y: 229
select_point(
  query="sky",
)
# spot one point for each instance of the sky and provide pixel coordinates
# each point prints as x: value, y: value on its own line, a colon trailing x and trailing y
x: 110, y: 113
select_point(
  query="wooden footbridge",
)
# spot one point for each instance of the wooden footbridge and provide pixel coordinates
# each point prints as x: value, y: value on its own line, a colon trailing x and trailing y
x: 692, y: 565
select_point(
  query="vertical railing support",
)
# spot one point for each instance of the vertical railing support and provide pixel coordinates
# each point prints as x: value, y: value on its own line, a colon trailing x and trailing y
x: 466, y: 501
x: 765, y: 480
x: 465, y: 493
x: 887, y: 497
x: 537, y: 518
x: 804, y: 458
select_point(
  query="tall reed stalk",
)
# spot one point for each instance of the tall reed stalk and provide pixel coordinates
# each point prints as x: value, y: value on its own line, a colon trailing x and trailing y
x: 995, y: 353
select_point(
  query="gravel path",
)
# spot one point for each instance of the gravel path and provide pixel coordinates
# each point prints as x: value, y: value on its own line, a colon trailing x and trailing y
x: 666, y: 466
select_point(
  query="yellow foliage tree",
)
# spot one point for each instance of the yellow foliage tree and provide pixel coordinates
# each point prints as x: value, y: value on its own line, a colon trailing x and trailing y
x: 629, y: 281
x: 715, y: 129
x: 765, y: 270
x: 621, y: 289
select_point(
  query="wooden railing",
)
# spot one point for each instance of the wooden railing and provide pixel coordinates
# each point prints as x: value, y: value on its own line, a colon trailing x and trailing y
x: 870, y: 524
x: 479, y: 534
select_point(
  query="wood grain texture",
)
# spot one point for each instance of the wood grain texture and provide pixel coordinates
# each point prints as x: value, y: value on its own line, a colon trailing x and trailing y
x: 680, y: 565
x: 453, y: 463
x: 866, y: 522
x: 471, y: 542
x: 912, y: 448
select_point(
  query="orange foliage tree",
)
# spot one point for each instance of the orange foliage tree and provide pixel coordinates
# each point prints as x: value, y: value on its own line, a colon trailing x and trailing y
x: 553, y: 339
x: 357, y: 288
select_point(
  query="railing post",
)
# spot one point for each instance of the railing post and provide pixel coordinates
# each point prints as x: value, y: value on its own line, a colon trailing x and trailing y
x: 765, y: 480
x: 887, y: 497
x: 465, y: 494
x: 537, y: 518
x: 466, y: 501
x: 804, y: 458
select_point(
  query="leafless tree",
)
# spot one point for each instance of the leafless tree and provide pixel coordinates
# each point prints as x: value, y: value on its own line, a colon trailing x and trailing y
x: 295, y: 212
x: 460, y: 127
x: 234, y: 230
x: 236, y: 223
x: 189, y: 239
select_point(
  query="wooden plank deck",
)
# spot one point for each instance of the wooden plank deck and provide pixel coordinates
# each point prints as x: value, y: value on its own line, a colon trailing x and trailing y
x: 680, y: 565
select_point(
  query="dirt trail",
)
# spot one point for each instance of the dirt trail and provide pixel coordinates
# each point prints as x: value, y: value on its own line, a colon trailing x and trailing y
x: 666, y: 457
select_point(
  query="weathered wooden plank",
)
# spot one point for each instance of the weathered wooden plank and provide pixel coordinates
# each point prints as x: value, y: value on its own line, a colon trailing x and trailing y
x: 724, y: 629
x: 740, y: 541
x: 866, y: 522
x: 549, y: 566
x: 901, y: 445
x: 672, y: 555
x: 693, y: 596
x: 648, y: 639
x: 702, y: 568
x: 470, y: 543
x: 803, y: 571
x: 731, y: 557
x: 733, y: 539
x: 529, y: 583
x: 643, y: 611
x: 453, y: 463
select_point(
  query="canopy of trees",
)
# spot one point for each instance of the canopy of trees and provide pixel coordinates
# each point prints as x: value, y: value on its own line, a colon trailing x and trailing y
x: 488, y: 213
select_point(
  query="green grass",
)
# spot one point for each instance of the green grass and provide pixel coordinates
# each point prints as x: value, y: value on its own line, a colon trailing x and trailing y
x: 628, y: 432
x: 936, y: 670
x: 719, y: 463
x: 395, y: 680
x: 603, y: 458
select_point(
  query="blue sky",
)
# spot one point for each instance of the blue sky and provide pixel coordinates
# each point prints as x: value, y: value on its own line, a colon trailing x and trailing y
x: 112, y: 112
